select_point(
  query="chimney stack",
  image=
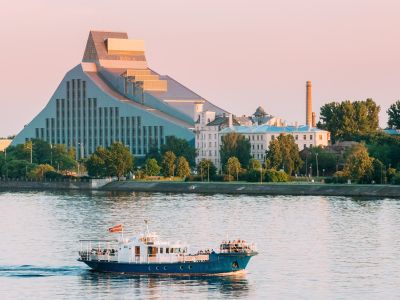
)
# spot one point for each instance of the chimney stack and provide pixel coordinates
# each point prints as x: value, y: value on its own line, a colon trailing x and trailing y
x: 314, y: 119
x: 230, y: 121
x: 308, y: 104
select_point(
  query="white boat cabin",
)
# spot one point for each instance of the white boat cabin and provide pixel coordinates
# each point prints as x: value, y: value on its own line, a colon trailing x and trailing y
x: 146, y: 248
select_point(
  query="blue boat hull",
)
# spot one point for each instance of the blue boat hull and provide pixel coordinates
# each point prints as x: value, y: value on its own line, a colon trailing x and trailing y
x: 218, y: 264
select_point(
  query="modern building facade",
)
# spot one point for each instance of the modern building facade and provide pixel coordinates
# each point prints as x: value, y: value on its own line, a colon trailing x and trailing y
x: 113, y: 95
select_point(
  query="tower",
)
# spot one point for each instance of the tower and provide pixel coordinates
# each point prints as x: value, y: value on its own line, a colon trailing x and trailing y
x: 308, y: 103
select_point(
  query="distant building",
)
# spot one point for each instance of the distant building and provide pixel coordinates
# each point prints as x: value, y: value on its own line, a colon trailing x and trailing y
x: 261, y: 135
x: 113, y: 95
x: 392, y: 131
x: 207, y: 130
x: 260, y: 117
x: 4, y: 143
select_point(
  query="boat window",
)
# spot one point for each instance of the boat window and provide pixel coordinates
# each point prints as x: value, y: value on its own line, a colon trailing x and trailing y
x: 166, y: 250
x: 137, y: 250
x: 161, y: 250
x: 171, y: 250
x: 181, y: 267
x: 190, y: 267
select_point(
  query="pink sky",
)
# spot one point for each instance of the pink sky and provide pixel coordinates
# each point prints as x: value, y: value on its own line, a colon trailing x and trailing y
x: 237, y: 54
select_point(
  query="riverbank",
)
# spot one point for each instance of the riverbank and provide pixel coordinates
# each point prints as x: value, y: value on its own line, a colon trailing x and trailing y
x: 59, y: 184
x: 311, y: 189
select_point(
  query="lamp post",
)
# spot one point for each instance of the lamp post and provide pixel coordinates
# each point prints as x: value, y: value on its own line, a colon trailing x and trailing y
x: 208, y: 171
x: 316, y: 160
x: 306, y: 165
x: 30, y: 148
x: 310, y: 174
x: 51, y: 154
x: 5, y: 160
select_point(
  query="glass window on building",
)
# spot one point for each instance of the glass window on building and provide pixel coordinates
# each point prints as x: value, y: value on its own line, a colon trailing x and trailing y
x: 320, y: 136
x: 68, y: 91
x: 78, y: 85
x: 73, y: 89
x: 84, y: 89
x: 304, y: 137
x: 296, y: 137
x: 310, y: 137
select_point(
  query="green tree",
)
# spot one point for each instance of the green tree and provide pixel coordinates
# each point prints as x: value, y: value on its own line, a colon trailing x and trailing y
x: 206, y: 169
x: 358, y: 163
x: 233, y: 166
x: 254, y: 164
x: 233, y: 144
x: 180, y: 147
x: 15, y: 168
x: 326, y: 160
x: 346, y: 119
x: 394, y: 115
x: 283, y: 152
x: 120, y: 161
x: 151, y: 167
x: 378, y: 171
x: 182, y: 167
x: 154, y: 153
x: 96, y: 163
x: 168, y: 164
x: 62, y: 158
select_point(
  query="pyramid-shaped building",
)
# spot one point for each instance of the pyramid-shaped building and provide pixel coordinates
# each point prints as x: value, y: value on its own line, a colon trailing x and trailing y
x: 113, y: 95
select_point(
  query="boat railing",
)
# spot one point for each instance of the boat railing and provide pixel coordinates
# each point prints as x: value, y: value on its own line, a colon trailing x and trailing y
x: 101, y: 250
x: 237, y: 246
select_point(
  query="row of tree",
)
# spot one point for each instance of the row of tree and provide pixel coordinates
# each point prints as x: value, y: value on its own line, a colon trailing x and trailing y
x: 35, y: 157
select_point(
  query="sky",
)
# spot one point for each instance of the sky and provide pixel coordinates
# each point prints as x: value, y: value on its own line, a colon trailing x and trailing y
x: 237, y: 54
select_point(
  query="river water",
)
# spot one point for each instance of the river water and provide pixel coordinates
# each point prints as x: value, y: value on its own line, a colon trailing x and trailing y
x: 309, y: 247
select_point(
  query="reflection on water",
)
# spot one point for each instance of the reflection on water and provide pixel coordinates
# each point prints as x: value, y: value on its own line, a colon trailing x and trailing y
x: 309, y: 247
x: 230, y: 285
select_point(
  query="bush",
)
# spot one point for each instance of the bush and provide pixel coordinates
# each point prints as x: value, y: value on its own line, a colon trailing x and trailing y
x: 139, y: 174
x: 193, y: 178
x: 218, y: 177
x: 228, y: 178
x: 53, y: 175
x: 254, y: 175
x: 340, y: 177
x: 273, y: 175
x: 396, y: 179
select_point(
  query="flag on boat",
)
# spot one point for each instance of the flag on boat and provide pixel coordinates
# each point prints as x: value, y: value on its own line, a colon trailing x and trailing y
x: 116, y: 228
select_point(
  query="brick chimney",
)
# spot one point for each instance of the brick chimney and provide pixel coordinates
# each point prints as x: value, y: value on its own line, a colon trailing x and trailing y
x: 308, y: 103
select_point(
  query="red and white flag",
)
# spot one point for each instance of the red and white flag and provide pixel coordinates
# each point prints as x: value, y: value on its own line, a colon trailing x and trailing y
x: 116, y: 228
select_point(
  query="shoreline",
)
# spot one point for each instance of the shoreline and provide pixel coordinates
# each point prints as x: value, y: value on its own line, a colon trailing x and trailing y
x: 237, y: 188
x: 233, y: 188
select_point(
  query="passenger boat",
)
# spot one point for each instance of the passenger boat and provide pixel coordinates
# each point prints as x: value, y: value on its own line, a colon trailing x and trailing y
x: 147, y: 254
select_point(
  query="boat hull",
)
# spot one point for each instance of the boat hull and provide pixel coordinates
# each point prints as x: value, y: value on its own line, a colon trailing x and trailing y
x: 218, y: 264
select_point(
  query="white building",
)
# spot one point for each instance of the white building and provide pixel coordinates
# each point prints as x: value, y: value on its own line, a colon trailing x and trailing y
x: 207, y: 130
x: 261, y: 135
x: 260, y: 129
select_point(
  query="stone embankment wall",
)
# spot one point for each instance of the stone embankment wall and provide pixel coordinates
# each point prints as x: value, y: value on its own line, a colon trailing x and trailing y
x: 54, y: 184
x: 257, y: 189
